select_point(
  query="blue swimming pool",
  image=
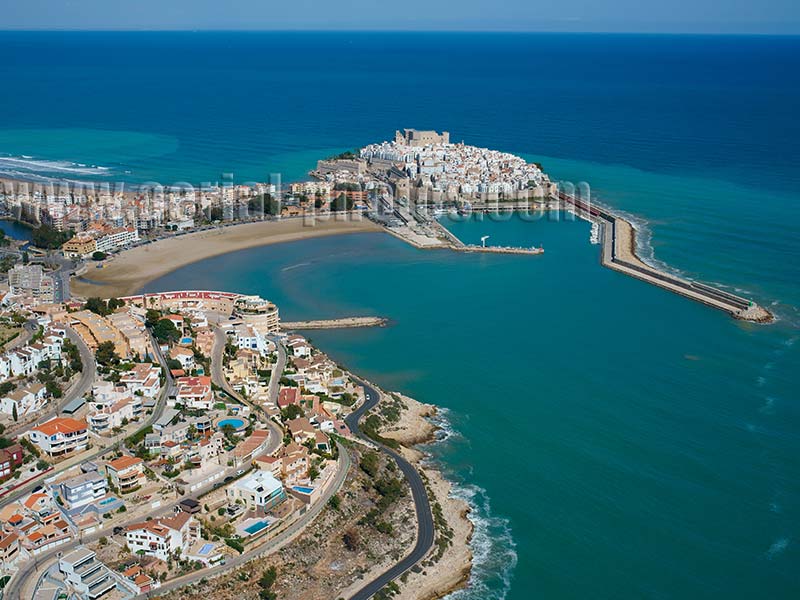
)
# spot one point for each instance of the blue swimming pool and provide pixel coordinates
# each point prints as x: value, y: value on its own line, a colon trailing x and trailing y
x: 237, y: 423
x: 105, y: 501
x: 302, y: 489
x: 206, y: 549
x: 186, y: 340
x: 256, y: 527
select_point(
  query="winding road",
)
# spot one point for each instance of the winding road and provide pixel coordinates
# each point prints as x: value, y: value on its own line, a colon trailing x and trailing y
x: 425, y: 526
x: 218, y: 378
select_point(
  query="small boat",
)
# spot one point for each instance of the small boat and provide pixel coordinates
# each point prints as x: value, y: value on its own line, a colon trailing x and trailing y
x: 594, y: 236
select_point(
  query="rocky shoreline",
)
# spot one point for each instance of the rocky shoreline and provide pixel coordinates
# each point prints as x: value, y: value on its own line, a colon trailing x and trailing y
x: 439, y: 574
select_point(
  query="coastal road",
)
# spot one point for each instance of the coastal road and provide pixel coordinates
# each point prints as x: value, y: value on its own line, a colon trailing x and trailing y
x: 425, y: 526
x: 218, y: 377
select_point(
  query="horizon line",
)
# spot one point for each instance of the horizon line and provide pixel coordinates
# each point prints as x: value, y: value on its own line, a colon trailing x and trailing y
x: 389, y: 30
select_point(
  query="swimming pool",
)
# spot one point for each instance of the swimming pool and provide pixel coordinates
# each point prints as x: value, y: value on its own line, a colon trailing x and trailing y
x: 206, y: 549
x: 105, y: 501
x: 302, y: 489
x: 256, y: 527
x: 237, y: 423
x: 186, y: 340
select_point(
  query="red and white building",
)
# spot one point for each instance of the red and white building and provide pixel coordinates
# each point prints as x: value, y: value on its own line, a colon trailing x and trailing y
x: 162, y: 537
x: 144, y: 378
x: 194, y: 393
x: 126, y: 473
x: 60, y: 436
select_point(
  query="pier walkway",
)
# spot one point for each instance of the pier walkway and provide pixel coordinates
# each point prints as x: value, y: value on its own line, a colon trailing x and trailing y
x: 619, y: 239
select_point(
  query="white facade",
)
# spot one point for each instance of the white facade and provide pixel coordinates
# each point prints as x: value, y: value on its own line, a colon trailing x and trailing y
x: 60, y: 436
x: 26, y: 401
x: 257, y: 489
x: 121, y: 236
x: 25, y: 361
x: 162, y: 537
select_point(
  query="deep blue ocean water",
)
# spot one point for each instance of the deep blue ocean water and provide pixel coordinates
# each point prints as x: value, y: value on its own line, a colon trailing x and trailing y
x: 616, y: 441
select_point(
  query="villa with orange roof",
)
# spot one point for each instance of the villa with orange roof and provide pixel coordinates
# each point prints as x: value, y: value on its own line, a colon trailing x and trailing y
x: 287, y: 396
x: 126, y: 473
x: 9, y: 547
x: 60, y: 436
x: 194, y: 392
x: 143, y: 582
x: 253, y: 445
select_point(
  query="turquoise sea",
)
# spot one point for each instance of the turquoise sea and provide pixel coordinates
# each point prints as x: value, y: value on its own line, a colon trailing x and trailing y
x: 615, y: 440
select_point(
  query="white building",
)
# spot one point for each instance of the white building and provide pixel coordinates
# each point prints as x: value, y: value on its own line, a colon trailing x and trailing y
x: 259, y: 489
x: 162, y: 537
x: 83, y: 489
x: 144, y: 379
x: 105, y: 417
x: 24, y: 362
x: 60, y: 436
x: 85, y: 574
x: 117, y: 237
x: 30, y: 281
x: 183, y: 356
x: 194, y: 393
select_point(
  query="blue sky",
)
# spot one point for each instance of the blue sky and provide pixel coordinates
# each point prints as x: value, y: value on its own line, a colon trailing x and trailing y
x: 683, y: 16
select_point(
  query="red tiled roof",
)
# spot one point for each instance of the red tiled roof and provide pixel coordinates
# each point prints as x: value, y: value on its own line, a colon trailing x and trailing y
x: 61, y: 425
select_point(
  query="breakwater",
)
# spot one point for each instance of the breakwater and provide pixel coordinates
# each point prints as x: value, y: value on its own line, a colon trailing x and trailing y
x: 434, y: 235
x: 619, y: 253
x: 341, y: 323
x: 499, y: 249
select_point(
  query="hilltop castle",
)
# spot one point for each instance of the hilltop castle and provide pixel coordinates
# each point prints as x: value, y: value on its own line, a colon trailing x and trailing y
x: 413, y: 137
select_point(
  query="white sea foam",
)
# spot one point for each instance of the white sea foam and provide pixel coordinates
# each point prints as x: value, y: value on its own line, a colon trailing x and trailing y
x: 444, y: 428
x: 777, y: 547
x: 28, y: 165
x: 644, y: 240
x: 297, y: 266
x: 493, y: 547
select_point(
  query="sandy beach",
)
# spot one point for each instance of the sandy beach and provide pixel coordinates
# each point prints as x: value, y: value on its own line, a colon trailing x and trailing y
x: 126, y: 273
